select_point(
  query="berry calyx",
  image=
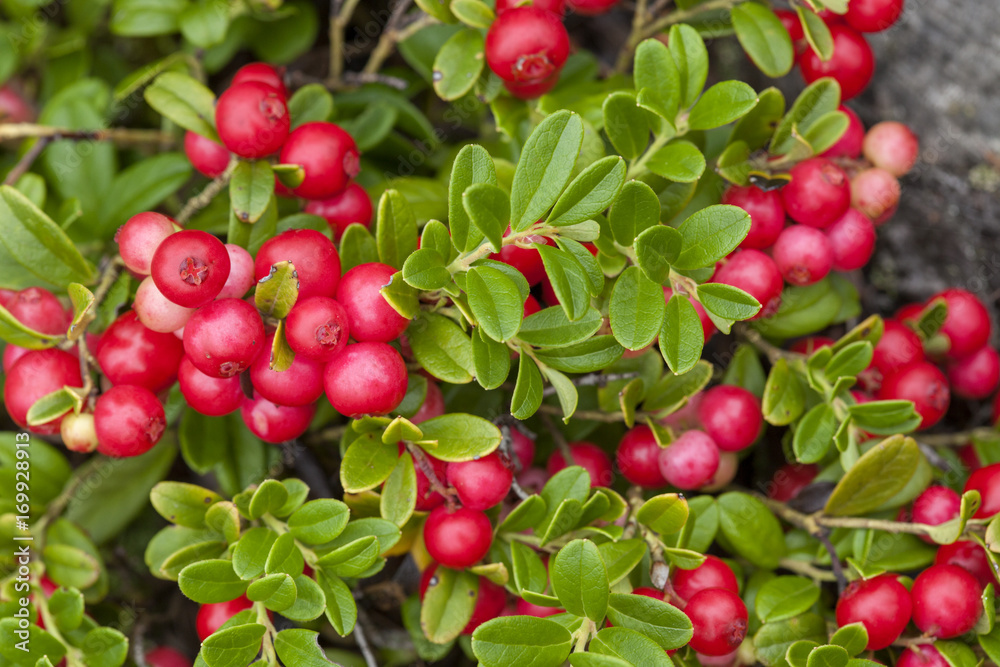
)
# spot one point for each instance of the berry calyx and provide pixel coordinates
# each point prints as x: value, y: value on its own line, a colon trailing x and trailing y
x: 852, y: 64
x: 370, y: 316
x: 590, y: 457
x: 925, y: 385
x: 275, y: 423
x: 767, y: 214
x: 139, y: 238
x: 314, y: 256
x: 190, y: 267
x: 881, y: 604
x: 129, y: 420
x: 480, y: 483
x: 946, y: 601
x: 457, y: 538
x: 366, y: 379
x: 730, y: 416
x: 526, y: 45
x: 755, y: 273
x: 818, y: 194
x: 208, y: 395
x: 690, y: 461
x: 206, y: 156
x: 327, y: 154
x: 719, y: 619
x: 638, y: 458
x: 317, y: 328
x: 353, y: 206
x: 252, y: 119
x: 224, y: 338
x: 713, y: 573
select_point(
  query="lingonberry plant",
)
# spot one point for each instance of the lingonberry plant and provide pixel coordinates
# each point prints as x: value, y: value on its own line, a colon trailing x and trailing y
x: 499, y: 352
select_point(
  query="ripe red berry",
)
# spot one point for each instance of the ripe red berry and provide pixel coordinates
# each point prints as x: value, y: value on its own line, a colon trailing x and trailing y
x: 39, y: 309
x: 35, y: 374
x: 591, y: 7
x: 532, y: 89
x: 557, y: 7
x: 804, y: 255
x: 314, y: 256
x: 967, y: 324
x: 523, y: 449
x: 370, y: 316
x: 223, y: 338
x: 352, y: 206
x: 946, y: 601
x: 755, y: 273
x: 328, y: 155
x: 209, y: 395
x: 899, y: 346
x: 366, y: 379
x: 852, y: 240
x: 14, y: 108
x: 638, y: 458
x: 205, y: 155
x: 767, y: 214
x: 299, y: 384
x: 317, y: 328
x: 921, y: 655
x: 428, y: 499
x: 252, y: 119
x: 891, y: 146
x: 78, y: 432
x: 129, y: 420
x: 690, y: 461
x: 490, y: 599
x: 986, y: 481
x: 481, y: 483
x: 526, y: 45
x: 790, y: 19
x: 730, y: 416
x: 971, y: 557
x: 588, y: 456
x: 719, y: 618
x: 130, y: 353
x: 157, y: 311
x: 790, y: 479
x: 190, y: 267
x: 873, y: 15
x: 433, y: 405
x: 707, y: 325
x: 977, y: 375
x: 881, y: 604
x: 164, y: 656
x: 818, y: 194
x: 925, y: 385
x: 849, y: 144
x: 211, y: 617
x: 936, y: 505
x: 713, y: 573
x: 457, y: 538
x: 241, y: 276
x: 851, y: 65
x: 263, y: 73
x: 531, y: 306
x: 525, y: 608
x: 139, y: 238
x: 875, y: 192
x: 275, y: 423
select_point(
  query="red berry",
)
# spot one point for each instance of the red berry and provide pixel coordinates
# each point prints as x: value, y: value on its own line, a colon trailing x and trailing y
x: 873, y: 15
x: 790, y: 19
x: 366, y: 379
x: 208, y: 157
x: 730, y: 416
x: 299, y: 384
x: 690, y: 461
x: 427, y: 499
x: 532, y: 89
x: 818, y: 194
x: 39, y: 309
x: 252, y: 119
x: 164, y: 656
x: 881, y: 604
x: 224, y: 338
x: 352, y: 206
x: 591, y: 7
x: 851, y: 65
x: 481, y: 483
x: 129, y: 420
x: 525, y: 260
x: 899, y: 346
x: 647, y: 592
x: 457, y: 538
x: 891, y: 146
x: 977, y: 375
x: 810, y: 344
x: 707, y: 325
x: 130, y: 353
x: 433, y: 405
x: 925, y: 385
x: 78, y: 432
x: 720, y: 620
x: 156, y: 311
x: 849, y: 144
x: 522, y: 448
x: 790, y: 479
x: 275, y: 423
x: 370, y: 316
x: 240, y: 278
x: 921, y: 655
x: 317, y: 328
x: 804, y: 255
x: 936, y: 505
x: 263, y: 73
x: 531, y: 306
x: 946, y: 601
x: 557, y: 7
x: 211, y: 617
x: 209, y: 395
x: 967, y: 324
x: 139, y: 238
x: 986, y: 481
x: 190, y: 267
x: 490, y: 599
x: 852, y: 240
x: 638, y: 458
x: 314, y: 256
x: 525, y: 608
x: 910, y: 312
x: 713, y: 573
x: 36, y: 374
x: 14, y: 108
x: 590, y: 457
x: 755, y: 273
x: 526, y: 45
x: 875, y: 192
x: 767, y: 214
x: 971, y: 557
x: 328, y: 155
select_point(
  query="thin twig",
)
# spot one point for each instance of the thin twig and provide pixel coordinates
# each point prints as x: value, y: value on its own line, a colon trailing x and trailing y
x: 389, y: 38
x: 205, y: 197
x: 809, y: 570
x: 24, y: 164
x: 838, y: 567
x: 420, y: 459
x: 558, y: 438
x: 959, y: 438
x: 118, y: 135
x: 362, y: 639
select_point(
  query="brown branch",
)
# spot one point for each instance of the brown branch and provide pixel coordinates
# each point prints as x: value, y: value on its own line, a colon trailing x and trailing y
x: 959, y: 438
x: 24, y: 164
x: 208, y: 193
x: 120, y: 135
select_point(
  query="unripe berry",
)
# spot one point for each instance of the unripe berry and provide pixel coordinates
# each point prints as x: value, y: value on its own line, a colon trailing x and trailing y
x: 557, y: 7
x: 936, y: 505
x: 638, y: 458
x: 36, y: 374
x: 209, y: 395
x: 263, y: 73
x: 925, y: 385
x: 975, y: 376
x: 164, y: 656
x: 480, y: 483
x: 328, y: 155
x: 755, y: 273
x: 190, y: 267
x: 971, y: 557
x: 433, y: 405
x: 986, y: 481
x: 729, y: 463
x: 526, y: 45
x: 490, y: 599
x: 921, y: 655
x: 208, y: 157
x: 946, y: 601
x: 849, y: 144
x: 730, y: 416
x: 317, y: 328
x: 457, y: 538
x: 252, y: 119
x: 299, y: 384
x: 790, y: 479
x: 139, y: 238
x: 851, y: 65
x: 314, y: 256
x: 241, y: 273
x: 713, y: 573
x: 588, y: 456
x: 873, y: 15
x: 275, y: 423
x: 352, y: 206
x: 130, y: 353
x: 881, y: 604
x: 427, y: 498
x: 818, y: 194
x: 366, y: 379
x: 156, y: 311
x: 967, y: 324
x: 129, y: 420
x: 370, y: 316
x: 690, y: 461
x: 767, y: 214
x: 211, y: 617
x: 891, y: 146
x: 875, y: 192
x: 719, y: 619
x: 591, y: 7
x: 852, y: 240
x: 224, y: 338
x: 78, y: 432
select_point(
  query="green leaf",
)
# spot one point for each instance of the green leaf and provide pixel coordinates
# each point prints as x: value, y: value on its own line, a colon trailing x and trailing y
x: 784, y: 597
x: 544, y: 168
x: 957, y: 654
x: 458, y: 64
x: 626, y: 124
x: 211, y: 581
x: 711, y: 234
x: 566, y: 392
x: 764, y: 38
x: 251, y: 189
x: 589, y: 356
x: 885, y: 417
x: 472, y: 165
x: 495, y: 301
x: 803, y: 310
x: 817, y: 32
x: 521, y: 640
x: 183, y: 504
x: 636, y: 309
x: 236, y: 645
x: 448, y: 604
x: 655, y: 248
x: 818, y: 98
x: 269, y: 497
x: 442, y: 348
x: 681, y: 335
x: 876, y: 477
x: 590, y: 193
x: 691, y: 58
x: 755, y: 128
x: 666, y: 513
x: 662, y: 622
x: 853, y: 637
x: 849, y: 360
x: 814, y: 434
x: 580, y: 580
x: 284, y: 556
x: 205, y: 23
x: 527, y: 396
x: 679, y: 161
x: 184, y: 101
x: 657, y: 78
x: 367, y: 463
x: 104, y: 647
x: 529, y: 571
x: 569, y: 281
x: 310, y: 103
x: 278, y: 291
x: 626, y: 647
x: 827, y: 130
x: 722, y: 104
x: 527, y: 514
x: 396, y: 230
x: 53, y: 405
x: 276, y: 591
x: 727, y: 302
x: 460, y: 437
x: 492, y: 360
x: 635, y: 210
x: 773, y: 639
x: 66, y: 606
x: 489, y: 209
x: 357, y: 246
x: 143, y: 186
x: 550, y: 327
x: 250, y: 553
x: 300, y: 647
x: 784, y: 397
x: 425, y: 270
x: 828, y: 656
x: 399, y: 494
x: 751, y: 529
x: 473, y: 13
x: 354, y: 558
x: 318, y: 521
x: 70, y: 566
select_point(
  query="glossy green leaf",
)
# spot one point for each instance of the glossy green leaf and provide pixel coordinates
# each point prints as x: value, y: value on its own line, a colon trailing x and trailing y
x: 636, y: 209
x: 764, y: 38
x: 458, y: 64
x: 751, y: 529
x: 544, y: 168
x: 711, y: 234
x: 590, y: 193
x: 580, y: 580
x: 681, y: 335
x: 626, y: 124
x: 185, y: 101
x: 636, y: 309
x: 877, y: 476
